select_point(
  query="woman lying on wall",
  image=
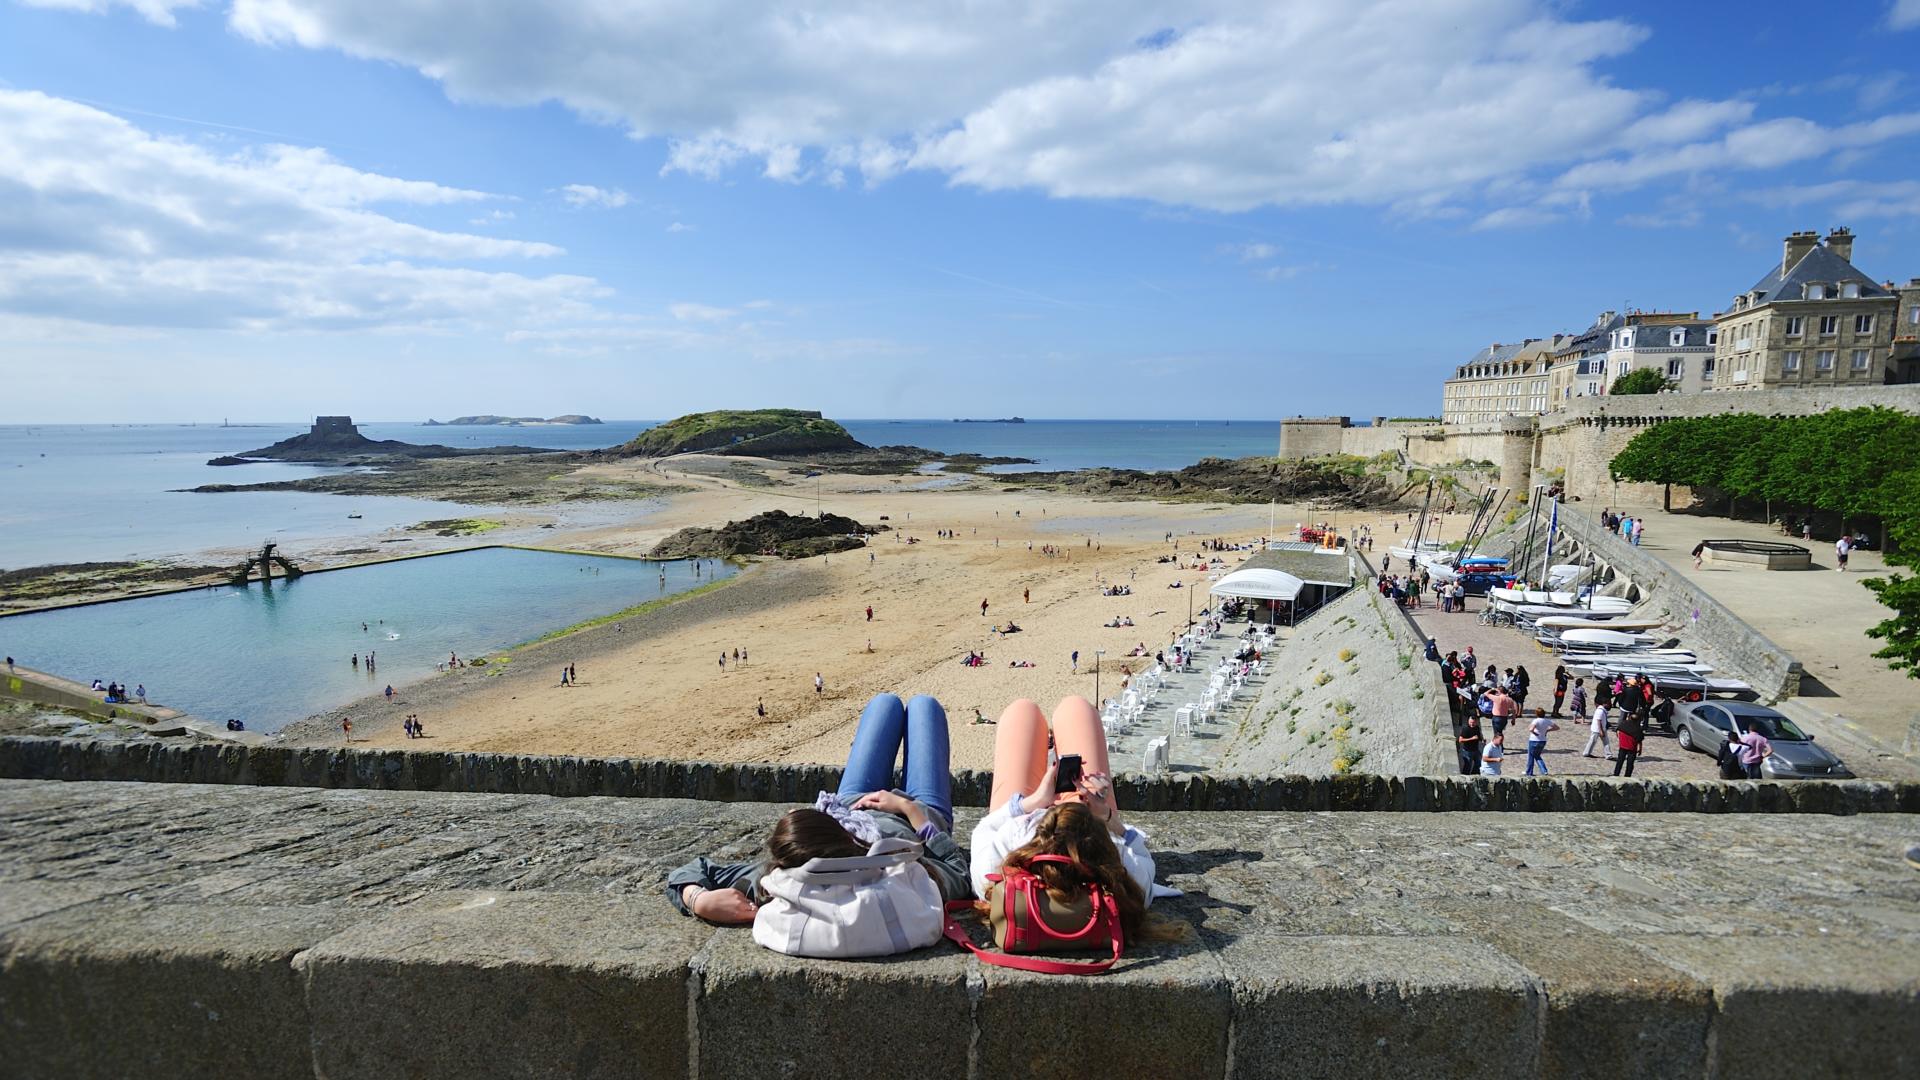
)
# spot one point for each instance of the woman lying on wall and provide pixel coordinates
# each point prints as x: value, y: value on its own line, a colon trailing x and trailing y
x: 866, y: 819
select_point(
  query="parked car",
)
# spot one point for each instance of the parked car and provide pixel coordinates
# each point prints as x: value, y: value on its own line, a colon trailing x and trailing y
x: 1706, y: 725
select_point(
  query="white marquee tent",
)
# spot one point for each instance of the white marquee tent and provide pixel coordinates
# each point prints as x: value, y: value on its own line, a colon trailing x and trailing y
x: 1259, y: 585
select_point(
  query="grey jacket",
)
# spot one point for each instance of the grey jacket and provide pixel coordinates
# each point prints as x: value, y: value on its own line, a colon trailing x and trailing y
x: 944, y: 860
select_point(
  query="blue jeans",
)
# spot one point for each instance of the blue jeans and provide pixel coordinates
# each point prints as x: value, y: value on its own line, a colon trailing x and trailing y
x: 887, y: 728
x: 1535, y: 747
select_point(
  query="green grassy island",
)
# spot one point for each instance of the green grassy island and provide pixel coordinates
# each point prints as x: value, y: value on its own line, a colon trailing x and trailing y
x: 755, y: 432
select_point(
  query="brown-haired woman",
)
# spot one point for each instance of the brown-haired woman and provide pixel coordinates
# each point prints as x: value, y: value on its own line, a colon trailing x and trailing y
x: 1023, y: 783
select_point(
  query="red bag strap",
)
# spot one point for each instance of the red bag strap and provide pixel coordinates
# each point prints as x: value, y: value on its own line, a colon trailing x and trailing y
x: 958, y: 935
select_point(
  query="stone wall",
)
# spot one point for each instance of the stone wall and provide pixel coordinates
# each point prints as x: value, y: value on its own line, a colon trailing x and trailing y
x: 1349, y: 685
x: 1313, y: 436
x: 1579, y: 443
x: 35, y: 758
x: 1747, y: 653
x: 151, y: 930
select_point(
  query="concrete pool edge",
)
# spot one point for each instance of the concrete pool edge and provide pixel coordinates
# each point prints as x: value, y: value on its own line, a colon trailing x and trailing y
x: 736, y: 560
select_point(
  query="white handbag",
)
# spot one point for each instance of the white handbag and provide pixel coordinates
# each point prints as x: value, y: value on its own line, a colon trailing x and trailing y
x: 876, y: 904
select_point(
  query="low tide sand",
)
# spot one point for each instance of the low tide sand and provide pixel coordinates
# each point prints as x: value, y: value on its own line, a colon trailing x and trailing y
x: 654, y: 686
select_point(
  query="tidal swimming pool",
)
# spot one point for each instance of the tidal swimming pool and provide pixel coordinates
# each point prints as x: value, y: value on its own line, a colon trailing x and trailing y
x: 270, y: 655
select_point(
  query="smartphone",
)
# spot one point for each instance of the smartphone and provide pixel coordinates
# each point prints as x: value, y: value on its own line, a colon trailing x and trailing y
x: 1069, y: 774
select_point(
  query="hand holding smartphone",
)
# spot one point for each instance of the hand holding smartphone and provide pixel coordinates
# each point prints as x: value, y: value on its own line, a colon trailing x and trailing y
x: 1067, y: 776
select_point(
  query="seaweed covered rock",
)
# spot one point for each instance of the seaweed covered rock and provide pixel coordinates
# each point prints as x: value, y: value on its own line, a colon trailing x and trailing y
x: 775, y: 532
x: 1255, y: 479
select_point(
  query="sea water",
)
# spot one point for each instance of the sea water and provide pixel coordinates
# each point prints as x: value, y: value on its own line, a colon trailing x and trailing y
x: 99, y: 492
x: 272, y: 654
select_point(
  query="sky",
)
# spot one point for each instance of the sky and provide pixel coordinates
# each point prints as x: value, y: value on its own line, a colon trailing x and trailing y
x: 1236, y: 209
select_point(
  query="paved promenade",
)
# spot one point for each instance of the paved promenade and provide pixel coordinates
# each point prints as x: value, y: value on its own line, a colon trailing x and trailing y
x: 150, y: 930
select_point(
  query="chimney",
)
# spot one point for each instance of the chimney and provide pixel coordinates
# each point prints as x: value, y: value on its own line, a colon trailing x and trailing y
x: 1798, y: 244
x: 1840, y: 242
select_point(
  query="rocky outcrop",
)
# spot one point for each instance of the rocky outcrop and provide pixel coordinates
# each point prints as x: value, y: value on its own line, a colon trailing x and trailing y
x: 1255, y: 479
x: 334, y: 440
x: 775, y: 532
x: 753, y: 432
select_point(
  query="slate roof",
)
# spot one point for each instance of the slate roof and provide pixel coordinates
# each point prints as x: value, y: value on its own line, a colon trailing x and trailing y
x: 1820, y: 264
x: 1660, y: 335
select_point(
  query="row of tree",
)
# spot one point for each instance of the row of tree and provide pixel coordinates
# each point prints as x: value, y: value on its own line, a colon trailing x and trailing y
x: 1858, y: 463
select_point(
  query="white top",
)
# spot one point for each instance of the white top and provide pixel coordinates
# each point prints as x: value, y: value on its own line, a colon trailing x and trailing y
x: 1599, y: 720
x: 1009, y: 828
x: 1842, y: 546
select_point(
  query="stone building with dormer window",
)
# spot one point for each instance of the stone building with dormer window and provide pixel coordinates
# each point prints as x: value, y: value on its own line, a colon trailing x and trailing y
x: 1813, y: 321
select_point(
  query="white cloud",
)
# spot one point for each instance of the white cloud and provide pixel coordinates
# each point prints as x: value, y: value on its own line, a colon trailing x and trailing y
x: 691, y: 312
x: 159, y: 12
x: 1850, y: 198
x: 1244, y: 103
x: 1767, y: 144
x: 586, y: 195
x: 1904, y: 15
x: 104, y: 223
x: 1517, y: 217
x: 1253, y: 251
x: 491, y: 217
x: 681, y: 226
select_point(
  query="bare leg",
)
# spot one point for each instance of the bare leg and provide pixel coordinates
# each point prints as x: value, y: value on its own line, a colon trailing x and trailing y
x: 1019, y: 751
x: 1077, y: 730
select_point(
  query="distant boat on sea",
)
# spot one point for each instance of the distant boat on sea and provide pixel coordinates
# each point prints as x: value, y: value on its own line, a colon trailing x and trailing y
x: 1008, y: 420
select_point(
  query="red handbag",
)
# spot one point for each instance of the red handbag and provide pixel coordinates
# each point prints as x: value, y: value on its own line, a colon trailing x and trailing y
x: 1018, y: 906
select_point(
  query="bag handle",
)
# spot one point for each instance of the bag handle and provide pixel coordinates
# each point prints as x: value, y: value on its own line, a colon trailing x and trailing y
x: 1095, y: 895
x: 958, y: 935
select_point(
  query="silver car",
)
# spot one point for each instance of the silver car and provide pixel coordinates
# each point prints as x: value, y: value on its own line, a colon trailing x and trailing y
x: 1706, y: 725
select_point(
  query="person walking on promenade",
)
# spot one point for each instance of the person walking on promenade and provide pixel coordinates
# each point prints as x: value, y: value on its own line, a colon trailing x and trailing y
x: 1841, y: 549
x: 1596, y: 731
x: 1639, y: 526
x: 1560, y: 690
x: 1699, y: 551
x: 1537, y: 740
x: 1470, y: 662
x: 1493, y: 755
x: 1502, y: 708
x: 1631, y: 734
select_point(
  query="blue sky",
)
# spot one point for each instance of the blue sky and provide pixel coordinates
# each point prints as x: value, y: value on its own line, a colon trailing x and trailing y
x: 399, y: 208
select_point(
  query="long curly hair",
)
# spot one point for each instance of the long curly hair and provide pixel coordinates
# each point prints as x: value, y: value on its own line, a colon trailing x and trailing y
x: 1070, y: 829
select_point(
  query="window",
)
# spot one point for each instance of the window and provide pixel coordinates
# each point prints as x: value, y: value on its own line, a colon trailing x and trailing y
x: 1626, y: 339
x: 1913, y: 317
x: 1851, y: 290
x: 1795, y: 324
x: 1816, y: 292
x: 1745, y: 335
x: 1829, y: 325
x: 1860, y: 359
x: 1791, y: 362
x: 1823, y: 360
x: 1679, y: 338
x: 1863, y: 324
x: 1706, y: 368
x: 1676, y: 367
x: 1713, y: 336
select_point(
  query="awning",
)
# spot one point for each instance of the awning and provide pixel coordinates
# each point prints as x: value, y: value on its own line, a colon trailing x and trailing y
x: 1259, y: 585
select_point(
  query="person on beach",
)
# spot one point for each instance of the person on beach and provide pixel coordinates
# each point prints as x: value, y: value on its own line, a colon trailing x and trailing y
x: 1027, y: 810
x: 346, y: 730
x: 869, y: 612
x: 983, y: 608
x: 723, y: 661
x: 356, y: 661
x: 573, y: 674
x: 819, y: 684
x: 389, y: 691
x: 847, y: 823
x: 1026, y: 596
x: 1560, y: 690
x: 564, y: 678
x: 760, y: 709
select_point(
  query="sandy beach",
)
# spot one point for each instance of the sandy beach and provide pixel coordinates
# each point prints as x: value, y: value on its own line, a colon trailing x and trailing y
x: 653, y: 685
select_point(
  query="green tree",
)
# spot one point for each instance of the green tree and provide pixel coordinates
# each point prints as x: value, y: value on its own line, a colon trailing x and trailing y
x: 1644, y: 380
x: 1899, y: 501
